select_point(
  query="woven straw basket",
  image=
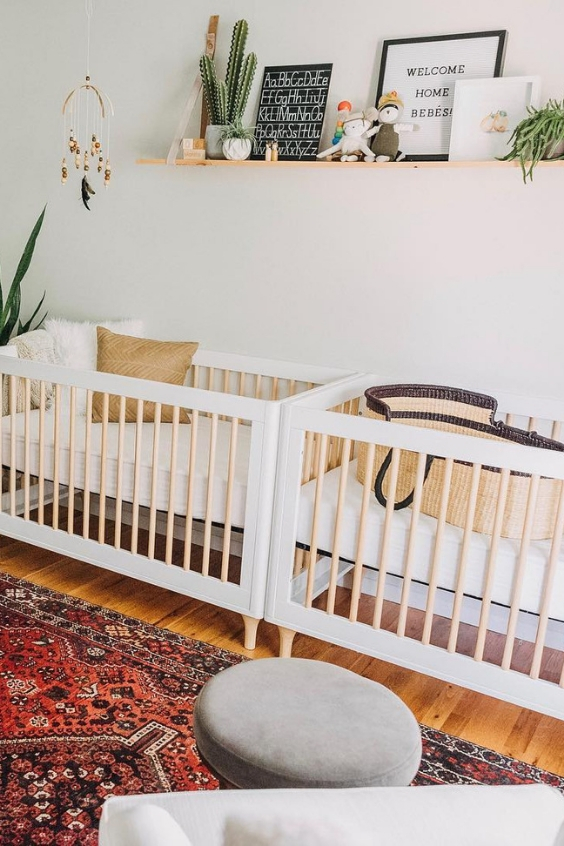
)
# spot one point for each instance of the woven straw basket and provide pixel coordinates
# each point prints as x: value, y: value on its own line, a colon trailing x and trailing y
x: 462, y: 412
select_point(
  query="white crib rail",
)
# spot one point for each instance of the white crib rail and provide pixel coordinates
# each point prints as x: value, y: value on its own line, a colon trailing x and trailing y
x: 187, y: 507
x: 410, y: 588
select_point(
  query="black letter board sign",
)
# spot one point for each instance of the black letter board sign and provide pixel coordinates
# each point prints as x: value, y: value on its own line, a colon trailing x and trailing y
x: 291, y: 110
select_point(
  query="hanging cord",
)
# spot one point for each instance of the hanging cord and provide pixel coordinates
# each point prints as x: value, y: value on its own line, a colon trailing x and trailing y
x: 89, y: 9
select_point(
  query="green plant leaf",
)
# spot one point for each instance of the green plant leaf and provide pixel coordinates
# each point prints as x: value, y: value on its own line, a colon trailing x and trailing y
x: 10, y: 309
x: 26, y: 327
x: 29, y: 248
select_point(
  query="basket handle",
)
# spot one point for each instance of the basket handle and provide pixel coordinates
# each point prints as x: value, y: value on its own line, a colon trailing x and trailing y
x: 381, y: 475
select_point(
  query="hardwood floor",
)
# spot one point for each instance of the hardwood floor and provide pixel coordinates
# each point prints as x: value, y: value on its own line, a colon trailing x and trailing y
x: 506, y: 728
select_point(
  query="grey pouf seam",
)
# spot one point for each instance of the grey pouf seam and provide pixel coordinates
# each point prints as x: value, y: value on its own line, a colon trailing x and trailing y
x: 290, y: 722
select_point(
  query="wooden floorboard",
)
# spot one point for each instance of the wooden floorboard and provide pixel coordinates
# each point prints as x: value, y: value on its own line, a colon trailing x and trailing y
x: 506, y: 728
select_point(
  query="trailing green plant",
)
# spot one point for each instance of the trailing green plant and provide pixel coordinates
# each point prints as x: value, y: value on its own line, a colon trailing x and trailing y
x: 10, y: 322
x: 537, y: 137
x: 237, y: 130
x: 226, y: 101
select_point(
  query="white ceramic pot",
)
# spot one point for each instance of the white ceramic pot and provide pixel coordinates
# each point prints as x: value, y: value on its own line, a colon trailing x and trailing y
x: 237, y: 149
x: 214, y: 144
x: 554, y: 152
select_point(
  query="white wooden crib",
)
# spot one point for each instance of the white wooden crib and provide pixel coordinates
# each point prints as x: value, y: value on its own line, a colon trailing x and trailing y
x: 482, y: 611
x: 183, y: 506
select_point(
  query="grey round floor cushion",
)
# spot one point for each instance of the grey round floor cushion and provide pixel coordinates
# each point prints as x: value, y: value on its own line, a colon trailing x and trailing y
x: 290, y: 722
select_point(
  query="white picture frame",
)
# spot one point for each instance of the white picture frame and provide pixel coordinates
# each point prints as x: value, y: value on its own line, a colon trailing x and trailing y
x: 485, y: 113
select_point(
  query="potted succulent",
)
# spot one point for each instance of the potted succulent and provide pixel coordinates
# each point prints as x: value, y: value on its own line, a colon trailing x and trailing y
x: 538, y: 136
x: 10, y: 322
x: 227, y: 99
x: 237, y: 141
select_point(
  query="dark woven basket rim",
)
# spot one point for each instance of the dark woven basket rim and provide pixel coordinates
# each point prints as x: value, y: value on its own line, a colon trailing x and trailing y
x: 375, y: 400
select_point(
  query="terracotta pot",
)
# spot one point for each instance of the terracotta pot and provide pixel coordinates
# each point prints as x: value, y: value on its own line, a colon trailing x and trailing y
x: 237, y: 149
x: 214, y: 144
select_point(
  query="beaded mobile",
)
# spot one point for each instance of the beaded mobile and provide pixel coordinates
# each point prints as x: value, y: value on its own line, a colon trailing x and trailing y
x: 86, y: 128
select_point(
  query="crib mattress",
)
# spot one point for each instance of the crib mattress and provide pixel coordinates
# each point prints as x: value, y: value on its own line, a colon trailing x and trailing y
x: 181, y: 467
x: 506, y: 560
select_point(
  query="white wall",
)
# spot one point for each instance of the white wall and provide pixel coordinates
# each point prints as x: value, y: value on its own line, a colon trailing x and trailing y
x: 448, y: 276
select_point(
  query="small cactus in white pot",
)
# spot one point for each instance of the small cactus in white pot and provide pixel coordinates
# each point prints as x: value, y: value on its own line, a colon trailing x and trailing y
x: 237, y: 141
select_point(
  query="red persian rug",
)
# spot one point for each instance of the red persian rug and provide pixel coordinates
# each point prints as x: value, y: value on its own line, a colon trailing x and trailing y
x: 94, y: 704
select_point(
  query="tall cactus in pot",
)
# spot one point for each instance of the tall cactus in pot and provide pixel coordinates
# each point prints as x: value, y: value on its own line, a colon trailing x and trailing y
x: 226, y: 100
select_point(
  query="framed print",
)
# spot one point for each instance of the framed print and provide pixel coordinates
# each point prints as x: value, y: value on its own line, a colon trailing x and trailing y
x: 424, y: 72
x: 485, y: 113
x: 291, y: 110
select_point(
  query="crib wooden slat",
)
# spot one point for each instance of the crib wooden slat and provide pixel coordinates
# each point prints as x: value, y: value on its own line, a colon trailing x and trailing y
x: 195, y: 375
x: 411, y: 544
x: 242, y: 383
x: 556, y: 430
x: 491, y: 566
x: 119, y: 472
x: 72, y: 428
x: 56, y: 457
x: 509, y: 420
x: 229, y: 500
x: 520, y: 573
x: 308, y: 452
x: 463, y: 559
x: 190, y: 490
x: 343, y: 478
x: 211, y: 377
x: 26, y: 475
x: 103, y: 469
x: 137, y: 477
x: 274, y: 389
x: 258, y: 385
x: 320, y: 473
x: 87, y: 465
x: 226, y: 381
x: 154, y: 480
x: 41, y: 448
x: 386, y: 537
x: 292, y: 388
x: 439, y: 536
x: 172, y: 485
x: 12, y: 390
x: 209, y: 498
x: 533, y: 424
x: 367, y: 495
x: 548, y: 588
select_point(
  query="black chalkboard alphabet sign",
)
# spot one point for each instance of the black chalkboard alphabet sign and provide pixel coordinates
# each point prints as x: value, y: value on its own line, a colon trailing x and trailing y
x: 291, y: 110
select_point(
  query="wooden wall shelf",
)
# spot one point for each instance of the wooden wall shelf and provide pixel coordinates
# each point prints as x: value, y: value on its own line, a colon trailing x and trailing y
x: 321, y: 164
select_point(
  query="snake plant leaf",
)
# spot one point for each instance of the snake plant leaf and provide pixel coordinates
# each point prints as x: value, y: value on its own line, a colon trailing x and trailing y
x: 29, y: 248
x: 11, y: 307
x: 26, y: 327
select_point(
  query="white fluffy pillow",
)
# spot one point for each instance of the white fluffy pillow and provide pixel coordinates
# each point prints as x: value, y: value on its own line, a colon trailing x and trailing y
x: 290, y: 831
x: 76, y: 346
x: 75, y: 342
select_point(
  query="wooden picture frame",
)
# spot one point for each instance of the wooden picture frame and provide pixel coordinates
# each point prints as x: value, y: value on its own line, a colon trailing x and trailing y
x: 424, y: 71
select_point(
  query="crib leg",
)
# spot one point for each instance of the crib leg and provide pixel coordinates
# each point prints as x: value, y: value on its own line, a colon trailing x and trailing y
x: 286, y: 640
x: 251, y: 626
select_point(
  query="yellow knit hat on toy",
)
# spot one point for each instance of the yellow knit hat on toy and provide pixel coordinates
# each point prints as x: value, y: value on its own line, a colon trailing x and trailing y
x: 390, y: 99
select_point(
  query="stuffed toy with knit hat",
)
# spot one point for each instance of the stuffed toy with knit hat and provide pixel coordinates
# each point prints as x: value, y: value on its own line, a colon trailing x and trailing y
x: 385, y: 146
x: 352, y: 143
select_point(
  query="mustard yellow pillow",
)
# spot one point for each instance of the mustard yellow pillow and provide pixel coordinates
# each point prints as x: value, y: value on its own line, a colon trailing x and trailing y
x: 140, y: 358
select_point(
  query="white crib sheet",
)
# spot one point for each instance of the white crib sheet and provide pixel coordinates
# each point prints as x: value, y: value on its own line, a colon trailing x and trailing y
x: 200, y: 489
x: 506, y: 560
